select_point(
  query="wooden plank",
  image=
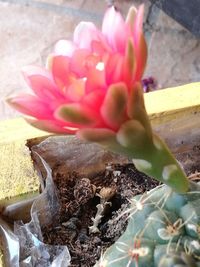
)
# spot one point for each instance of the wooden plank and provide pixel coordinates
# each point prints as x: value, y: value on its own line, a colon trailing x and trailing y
x: 18, y: 178
x: 17, y: 129
x: 172, y: 103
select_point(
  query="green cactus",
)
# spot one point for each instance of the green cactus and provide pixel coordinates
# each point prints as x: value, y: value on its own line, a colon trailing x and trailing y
x: 163, y: 231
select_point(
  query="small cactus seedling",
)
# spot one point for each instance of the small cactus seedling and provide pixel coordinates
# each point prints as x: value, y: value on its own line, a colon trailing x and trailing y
x: 93, y: 87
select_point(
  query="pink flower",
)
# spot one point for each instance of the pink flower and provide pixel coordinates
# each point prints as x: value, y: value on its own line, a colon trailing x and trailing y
x: 91, y: 81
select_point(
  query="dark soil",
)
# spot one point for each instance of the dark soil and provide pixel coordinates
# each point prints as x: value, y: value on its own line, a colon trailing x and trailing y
x: 79, y: 198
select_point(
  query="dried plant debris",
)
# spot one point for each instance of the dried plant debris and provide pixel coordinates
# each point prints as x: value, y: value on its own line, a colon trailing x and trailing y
x: 105, y: 194
x: 90, y: 209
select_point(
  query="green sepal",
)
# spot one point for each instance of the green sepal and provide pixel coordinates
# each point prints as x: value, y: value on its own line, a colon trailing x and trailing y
x: 130, y: 18
x: 103, y: 136
x: 114, y: 105
x: 151, y: 156
x: 132, y: 136
x: 74, y: 114
x: 136, y: 109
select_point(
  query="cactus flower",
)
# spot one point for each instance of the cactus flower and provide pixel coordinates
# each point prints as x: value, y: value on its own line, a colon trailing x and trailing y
x: 85, y: 75
x: 92, y: 87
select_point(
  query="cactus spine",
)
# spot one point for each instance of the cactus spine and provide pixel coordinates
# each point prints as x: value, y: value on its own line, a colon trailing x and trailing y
x: 163, y: 231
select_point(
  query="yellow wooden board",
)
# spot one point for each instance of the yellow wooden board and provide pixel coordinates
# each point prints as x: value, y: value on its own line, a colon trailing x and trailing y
x: 18, y: 129
x: 172, y: 103
x: 17, y: 176
x: 1, y: 260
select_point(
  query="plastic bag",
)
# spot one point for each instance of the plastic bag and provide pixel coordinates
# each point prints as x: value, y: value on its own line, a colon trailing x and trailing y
x: 70, y: 154
x: 24, y: 247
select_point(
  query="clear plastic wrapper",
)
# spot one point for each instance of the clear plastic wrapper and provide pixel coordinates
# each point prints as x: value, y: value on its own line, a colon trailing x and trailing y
x: 10, y: 245
x: 24, y: 247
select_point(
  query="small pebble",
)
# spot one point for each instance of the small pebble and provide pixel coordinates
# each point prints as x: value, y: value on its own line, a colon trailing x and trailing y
x: 83, y: 238
x: 116, y: 173
x: 69, y: 225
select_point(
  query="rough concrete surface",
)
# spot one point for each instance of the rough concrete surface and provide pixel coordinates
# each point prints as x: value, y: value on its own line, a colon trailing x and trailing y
x: 29, y: 30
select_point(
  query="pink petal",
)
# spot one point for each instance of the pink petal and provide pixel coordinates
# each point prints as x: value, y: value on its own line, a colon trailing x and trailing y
x: 41, y: 83
x: 78, y: 63
x: 84, y: 34
x: 82, y: 61
x: 31, y: 105
x: 95, y: 80
x: 64, y: 48
x: 93, y: 101
x: 32, y: 70
x: 115, y: 29
x: 92, y: 60
x: 114, y: 69
x: 60, y: 71
x: 76, y: 90
x: 140, y: 46
x: 51, y: 126
x: 100, y: 47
